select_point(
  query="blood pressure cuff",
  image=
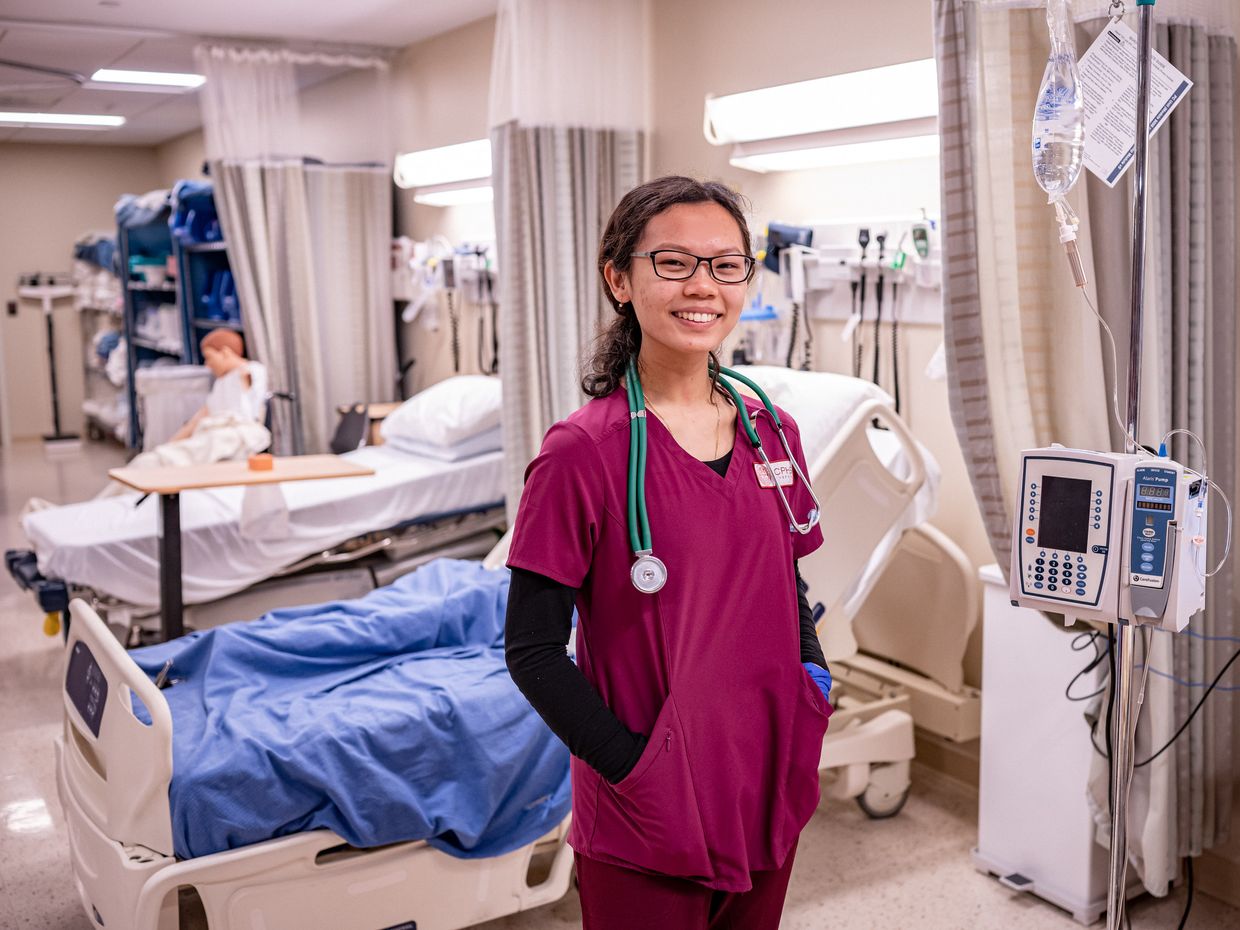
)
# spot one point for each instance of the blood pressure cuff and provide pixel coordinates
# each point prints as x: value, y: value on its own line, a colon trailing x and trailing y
x: 822, y: 678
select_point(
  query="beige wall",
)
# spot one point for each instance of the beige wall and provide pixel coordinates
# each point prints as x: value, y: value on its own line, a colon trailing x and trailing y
x: 180, y: 158
x: 52, y: 194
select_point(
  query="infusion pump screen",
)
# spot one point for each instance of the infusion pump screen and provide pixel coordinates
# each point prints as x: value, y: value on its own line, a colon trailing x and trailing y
x: 1064, y: 523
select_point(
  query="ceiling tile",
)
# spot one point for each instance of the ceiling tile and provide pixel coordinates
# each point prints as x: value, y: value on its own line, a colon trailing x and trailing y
x: 73, y: 51
x: 160, y: 55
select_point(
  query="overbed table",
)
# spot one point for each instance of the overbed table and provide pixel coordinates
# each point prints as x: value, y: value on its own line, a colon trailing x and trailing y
x: 169, y: 482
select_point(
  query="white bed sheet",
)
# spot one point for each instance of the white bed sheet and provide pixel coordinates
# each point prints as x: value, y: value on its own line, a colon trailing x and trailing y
x: 112, y: 546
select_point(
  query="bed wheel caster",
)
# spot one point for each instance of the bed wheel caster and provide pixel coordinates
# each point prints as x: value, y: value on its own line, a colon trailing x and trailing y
x: 886, y: 793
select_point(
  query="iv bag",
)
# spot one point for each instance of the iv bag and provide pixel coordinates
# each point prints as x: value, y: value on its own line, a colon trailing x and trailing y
x: 1059, y: 115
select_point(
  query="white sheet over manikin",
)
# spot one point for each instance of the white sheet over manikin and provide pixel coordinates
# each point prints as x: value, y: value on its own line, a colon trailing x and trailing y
x: 111, y: 546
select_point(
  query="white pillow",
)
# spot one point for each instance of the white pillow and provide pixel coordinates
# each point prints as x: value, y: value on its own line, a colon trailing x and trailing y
x: 447, y: 413
x: 490, y: 441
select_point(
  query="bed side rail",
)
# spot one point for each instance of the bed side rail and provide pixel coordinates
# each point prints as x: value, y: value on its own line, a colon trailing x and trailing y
x: 117, y: 767
x: 861, y: 500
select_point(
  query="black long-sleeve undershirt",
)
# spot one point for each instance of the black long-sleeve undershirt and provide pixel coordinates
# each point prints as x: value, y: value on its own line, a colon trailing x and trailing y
x: 538, y: 625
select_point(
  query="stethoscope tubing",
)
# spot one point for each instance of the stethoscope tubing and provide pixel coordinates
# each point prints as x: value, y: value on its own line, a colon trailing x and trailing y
x: 639, y: 521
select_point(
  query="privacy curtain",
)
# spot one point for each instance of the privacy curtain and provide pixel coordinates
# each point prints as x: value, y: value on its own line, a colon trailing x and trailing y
x: 308, y: 242
x: 568, y: 115
x: 1028, y: 365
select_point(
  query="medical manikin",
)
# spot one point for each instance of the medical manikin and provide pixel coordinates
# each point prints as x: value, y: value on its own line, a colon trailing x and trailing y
x: 229, y: 426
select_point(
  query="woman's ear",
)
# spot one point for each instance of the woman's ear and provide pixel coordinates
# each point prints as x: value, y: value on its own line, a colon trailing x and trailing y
x: 617, y: 281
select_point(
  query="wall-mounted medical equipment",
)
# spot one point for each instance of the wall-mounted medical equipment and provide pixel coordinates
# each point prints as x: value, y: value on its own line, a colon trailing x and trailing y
x: 1104, y: 536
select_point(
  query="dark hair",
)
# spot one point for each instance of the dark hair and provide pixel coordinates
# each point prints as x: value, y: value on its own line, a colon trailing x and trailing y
x: 615, y: 345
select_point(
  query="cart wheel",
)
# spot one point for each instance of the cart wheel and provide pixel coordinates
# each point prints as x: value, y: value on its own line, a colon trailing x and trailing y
x: 879, y: 805
x: 880, y: 801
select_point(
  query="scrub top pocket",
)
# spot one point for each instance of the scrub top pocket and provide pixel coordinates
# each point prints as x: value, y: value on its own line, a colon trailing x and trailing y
x: 650, y: 819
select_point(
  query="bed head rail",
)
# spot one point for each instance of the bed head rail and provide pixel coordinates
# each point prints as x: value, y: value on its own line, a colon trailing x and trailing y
x: 861, y: 501
x: 117, y: 767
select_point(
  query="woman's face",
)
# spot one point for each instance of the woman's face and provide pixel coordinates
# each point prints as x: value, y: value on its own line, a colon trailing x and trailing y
x: 696, y: 314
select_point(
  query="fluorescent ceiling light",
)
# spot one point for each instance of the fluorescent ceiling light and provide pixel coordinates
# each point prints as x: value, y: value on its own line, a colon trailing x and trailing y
x: 455, y: 196
x: 147, y: 80
x: 860, y: 98
x: 831, y: 156
x: 468, y: 161
x: 63, y: 120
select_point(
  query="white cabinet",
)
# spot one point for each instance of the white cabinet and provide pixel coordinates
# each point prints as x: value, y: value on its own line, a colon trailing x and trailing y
x: 1034, y: 821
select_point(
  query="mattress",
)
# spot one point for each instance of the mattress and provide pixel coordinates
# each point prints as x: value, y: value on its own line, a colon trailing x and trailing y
x: 233, y: 537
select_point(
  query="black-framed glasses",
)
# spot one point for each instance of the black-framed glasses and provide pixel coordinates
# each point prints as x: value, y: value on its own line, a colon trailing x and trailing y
x: 674, y: 265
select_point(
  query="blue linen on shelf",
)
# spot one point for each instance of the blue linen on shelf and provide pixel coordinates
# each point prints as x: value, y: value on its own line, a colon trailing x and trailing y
x: 387, y: 718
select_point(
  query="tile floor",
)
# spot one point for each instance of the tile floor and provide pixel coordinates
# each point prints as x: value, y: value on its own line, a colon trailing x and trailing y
x: 912, y: 871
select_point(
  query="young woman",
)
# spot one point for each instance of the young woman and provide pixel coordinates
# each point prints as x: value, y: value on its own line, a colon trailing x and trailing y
x: 694, y: 727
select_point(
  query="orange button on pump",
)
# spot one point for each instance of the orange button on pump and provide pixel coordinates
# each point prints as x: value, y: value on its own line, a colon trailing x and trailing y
x: 1028, y: 532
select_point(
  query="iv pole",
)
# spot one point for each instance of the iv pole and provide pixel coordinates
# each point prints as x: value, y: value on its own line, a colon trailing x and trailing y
x: 1122, y: 759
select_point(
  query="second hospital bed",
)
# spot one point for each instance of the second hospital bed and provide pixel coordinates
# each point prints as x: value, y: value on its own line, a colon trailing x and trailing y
x: 239, y: 561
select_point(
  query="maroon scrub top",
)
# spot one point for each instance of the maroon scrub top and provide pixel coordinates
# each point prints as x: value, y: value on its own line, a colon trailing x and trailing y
x: 709, y: 667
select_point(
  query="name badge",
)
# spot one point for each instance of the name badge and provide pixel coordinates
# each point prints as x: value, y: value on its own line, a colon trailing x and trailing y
x: 783, y: 474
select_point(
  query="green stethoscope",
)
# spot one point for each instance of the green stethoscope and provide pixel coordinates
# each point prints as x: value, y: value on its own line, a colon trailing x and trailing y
x: 649, y: 574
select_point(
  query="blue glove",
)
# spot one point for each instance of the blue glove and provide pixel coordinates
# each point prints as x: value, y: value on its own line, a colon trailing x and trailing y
x: 822, y: 678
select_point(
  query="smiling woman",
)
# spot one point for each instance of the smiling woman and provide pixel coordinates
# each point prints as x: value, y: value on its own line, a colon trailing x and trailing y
x: 680, y: 808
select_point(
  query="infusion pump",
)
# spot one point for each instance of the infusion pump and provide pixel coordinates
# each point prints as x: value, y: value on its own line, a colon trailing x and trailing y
x: 1108, y: 536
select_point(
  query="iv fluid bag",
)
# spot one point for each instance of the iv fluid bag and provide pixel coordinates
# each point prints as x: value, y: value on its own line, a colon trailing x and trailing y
x: 1059, y: 115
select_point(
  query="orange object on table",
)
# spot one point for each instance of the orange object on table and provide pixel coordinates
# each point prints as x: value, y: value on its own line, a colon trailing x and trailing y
x: 262, y: 462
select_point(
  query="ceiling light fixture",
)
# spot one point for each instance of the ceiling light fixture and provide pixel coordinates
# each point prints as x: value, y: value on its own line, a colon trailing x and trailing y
x: 467, y: 161
x: 149, y: 81
x: 62, y: 120
x: 455, y: 195
x: 879, y: 114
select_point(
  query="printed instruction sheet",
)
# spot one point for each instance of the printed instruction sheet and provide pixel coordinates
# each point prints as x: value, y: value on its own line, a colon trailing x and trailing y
x: 1108, y: 74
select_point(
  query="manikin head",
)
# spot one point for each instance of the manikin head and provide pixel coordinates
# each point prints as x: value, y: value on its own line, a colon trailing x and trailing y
x: 223, y: 351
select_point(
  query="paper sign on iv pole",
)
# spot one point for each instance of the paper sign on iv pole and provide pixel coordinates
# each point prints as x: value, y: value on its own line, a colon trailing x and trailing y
x: 1109, y: 84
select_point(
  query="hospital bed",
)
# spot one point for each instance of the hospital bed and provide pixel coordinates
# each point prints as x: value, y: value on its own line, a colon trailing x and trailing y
x: 895, y: 599
x: 136, y: 838
x: 246, y: 552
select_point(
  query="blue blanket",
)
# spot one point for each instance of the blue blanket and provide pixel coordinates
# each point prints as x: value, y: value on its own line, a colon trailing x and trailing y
x: 387, y: 718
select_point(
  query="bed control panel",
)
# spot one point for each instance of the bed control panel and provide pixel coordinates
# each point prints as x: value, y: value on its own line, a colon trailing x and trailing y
x: 86, y: 686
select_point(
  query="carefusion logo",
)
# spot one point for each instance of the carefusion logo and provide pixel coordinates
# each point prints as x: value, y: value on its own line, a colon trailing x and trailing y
x: 783, y: 474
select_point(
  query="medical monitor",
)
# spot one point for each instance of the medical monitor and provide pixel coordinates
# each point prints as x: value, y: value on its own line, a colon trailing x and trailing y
x: 1065, y: 514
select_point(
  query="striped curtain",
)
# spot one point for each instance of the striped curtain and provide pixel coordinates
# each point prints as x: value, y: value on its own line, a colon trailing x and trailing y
x: 554, y: 191
x: 1028, y: 366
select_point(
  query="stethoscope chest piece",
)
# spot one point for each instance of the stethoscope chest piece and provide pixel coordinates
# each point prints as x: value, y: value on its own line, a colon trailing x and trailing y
x: 649, y: 574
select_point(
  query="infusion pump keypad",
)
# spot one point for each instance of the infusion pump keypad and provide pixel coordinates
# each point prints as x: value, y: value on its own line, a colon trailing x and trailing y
x: 1065, y: 529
